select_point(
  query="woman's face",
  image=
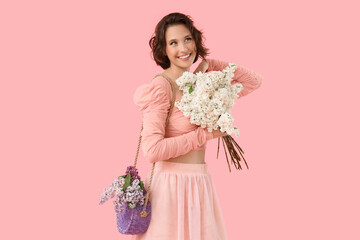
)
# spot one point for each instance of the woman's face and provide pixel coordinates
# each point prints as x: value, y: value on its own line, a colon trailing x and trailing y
x: 179, y: 45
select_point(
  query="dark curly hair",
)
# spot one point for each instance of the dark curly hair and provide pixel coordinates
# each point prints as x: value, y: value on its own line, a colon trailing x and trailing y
x: 158, y: 43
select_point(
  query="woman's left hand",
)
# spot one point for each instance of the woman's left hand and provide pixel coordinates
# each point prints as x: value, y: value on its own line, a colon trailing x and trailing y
x: 202, y: 67
x: 217, y: 133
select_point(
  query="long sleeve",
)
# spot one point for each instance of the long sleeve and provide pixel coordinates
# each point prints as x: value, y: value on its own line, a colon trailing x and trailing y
x: 154, y: 100
x: 249, y: 79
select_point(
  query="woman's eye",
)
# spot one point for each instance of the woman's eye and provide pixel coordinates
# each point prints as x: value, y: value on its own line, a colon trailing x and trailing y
x: 189, y: 38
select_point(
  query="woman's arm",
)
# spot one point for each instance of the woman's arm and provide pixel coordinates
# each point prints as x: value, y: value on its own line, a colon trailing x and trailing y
x: 249, y: 79
x: 154, y: 101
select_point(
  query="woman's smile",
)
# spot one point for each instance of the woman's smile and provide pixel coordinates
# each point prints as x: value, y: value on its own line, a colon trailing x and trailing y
x: 185, y: 57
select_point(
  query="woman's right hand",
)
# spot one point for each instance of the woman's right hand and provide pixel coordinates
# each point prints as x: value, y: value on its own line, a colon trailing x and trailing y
x: 217, y: 133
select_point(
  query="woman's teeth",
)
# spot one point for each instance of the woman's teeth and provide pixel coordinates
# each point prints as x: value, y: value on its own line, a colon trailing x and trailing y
x: 185, y: 56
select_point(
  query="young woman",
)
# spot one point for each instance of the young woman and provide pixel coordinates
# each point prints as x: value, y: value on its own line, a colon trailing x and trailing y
x: 184, y: 202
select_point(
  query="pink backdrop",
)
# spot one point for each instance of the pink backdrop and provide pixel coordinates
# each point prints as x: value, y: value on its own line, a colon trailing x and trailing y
x: 69, y: 125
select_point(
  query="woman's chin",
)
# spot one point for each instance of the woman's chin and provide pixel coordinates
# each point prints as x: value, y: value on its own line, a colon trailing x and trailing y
x: 187, y: 63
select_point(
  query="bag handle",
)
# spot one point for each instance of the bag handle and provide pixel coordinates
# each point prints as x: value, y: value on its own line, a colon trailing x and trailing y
x: 144, y: 213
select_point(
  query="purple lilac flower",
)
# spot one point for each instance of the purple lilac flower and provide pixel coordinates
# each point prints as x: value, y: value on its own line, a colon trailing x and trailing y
x: 133, y: 173
x: 130, y: 196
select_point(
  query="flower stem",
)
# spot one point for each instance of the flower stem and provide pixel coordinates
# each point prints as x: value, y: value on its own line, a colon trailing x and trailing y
x: 235, y: 151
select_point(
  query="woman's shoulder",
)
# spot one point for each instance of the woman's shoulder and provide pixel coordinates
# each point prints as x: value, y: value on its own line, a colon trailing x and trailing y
x: 156, y: 92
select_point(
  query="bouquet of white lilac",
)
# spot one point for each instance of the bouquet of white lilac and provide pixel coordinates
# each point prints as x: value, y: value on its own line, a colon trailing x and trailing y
x: 207, y: 100
x: 129, y: 190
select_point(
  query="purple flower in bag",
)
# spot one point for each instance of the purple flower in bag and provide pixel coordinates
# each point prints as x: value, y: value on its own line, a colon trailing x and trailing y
x: 133, y: 173
x: 129, y: 190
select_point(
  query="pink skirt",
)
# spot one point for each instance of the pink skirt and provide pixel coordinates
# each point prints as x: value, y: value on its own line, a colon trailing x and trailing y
x: 184, y: 204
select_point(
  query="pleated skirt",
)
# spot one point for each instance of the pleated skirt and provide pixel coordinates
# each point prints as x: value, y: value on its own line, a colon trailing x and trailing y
x: 184, y: 204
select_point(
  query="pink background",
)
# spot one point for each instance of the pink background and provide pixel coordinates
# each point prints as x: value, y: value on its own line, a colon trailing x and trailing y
x: 69, y: 126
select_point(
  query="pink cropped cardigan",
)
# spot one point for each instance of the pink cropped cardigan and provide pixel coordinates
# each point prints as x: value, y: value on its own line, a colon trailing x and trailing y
x: 180, y: 136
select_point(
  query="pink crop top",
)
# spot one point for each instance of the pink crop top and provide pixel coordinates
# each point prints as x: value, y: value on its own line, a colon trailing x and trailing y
x: 180, y: 136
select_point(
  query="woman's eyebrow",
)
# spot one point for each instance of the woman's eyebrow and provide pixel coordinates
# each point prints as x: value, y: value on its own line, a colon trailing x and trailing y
x: 184, y: 37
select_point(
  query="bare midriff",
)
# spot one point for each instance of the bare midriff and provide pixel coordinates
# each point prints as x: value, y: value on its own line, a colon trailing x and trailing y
x: 195, y: 156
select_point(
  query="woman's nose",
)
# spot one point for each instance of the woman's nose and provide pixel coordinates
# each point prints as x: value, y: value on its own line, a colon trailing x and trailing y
x: 183, y: 47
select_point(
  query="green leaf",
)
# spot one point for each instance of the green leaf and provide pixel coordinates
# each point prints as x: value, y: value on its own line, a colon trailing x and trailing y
x: 188, y: 84
x: 191, y: 89
x: 141, y: 185
x: 127, y: 181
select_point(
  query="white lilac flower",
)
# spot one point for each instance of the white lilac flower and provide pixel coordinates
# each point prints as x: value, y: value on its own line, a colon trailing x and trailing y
x: 119, y: 191
x: 107, y: 194
x: 132, y: 205
x: 129, y: 196
x: 129, y: 189
x: 118, y: 205
x: 211, y: 98
x: 135, y: 182
x: 122, y: 181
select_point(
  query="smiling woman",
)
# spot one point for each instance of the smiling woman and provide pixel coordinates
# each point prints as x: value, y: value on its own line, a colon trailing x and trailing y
x: 173, y: 30
x: 184, y: 202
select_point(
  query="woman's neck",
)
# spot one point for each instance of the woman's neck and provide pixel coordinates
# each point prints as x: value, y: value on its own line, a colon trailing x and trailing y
x: 174, y: 72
